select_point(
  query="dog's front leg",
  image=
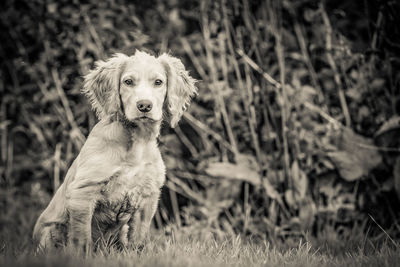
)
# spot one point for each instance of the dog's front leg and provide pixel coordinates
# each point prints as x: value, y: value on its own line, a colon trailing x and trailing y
x: 140, y: 222
x: 80, y: 206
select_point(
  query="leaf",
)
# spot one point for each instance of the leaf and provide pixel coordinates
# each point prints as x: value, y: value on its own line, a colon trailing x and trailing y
x: 273, y: 212
x: 392, y: 124
x: 354, y: 93
x: 355, y: 155
x: 307, y: 94
x: 270, y: 189
x: 239, y: 171
x: 290, y: 199
x: 377, y: 83
x: 307, y: 211
x: 300, y: 182
x: 348, y: 167
x: 248, y: 160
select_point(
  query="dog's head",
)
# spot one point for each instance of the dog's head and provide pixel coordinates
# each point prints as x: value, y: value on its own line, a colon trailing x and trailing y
x: 135, y: 88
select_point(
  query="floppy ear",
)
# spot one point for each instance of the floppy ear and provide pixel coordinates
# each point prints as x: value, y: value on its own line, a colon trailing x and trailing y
x: 101, y: 85
x: 181, y: 87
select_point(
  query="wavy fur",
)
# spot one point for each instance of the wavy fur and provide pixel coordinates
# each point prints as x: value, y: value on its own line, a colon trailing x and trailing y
x: 111, y: 191
x: 181, y: 87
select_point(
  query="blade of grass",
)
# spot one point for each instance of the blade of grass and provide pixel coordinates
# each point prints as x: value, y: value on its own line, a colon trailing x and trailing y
x: 383, y: 230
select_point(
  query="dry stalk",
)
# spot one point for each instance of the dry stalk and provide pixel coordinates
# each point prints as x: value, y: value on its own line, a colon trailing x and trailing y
x: 186, y: 142
x: 374, y: 43
x: 199, y: 125
x: 68, y: 112
x: 277, y: 31
x: 378, y: 24
x: 174, y: 204
x: 223, y: 56
x: 214, y: 78
x: 175, y: 185
x: 252, y: 121
x: 306, y: 57
x: 396, y: 244
x: 251, y: 27
x: 188, y: 50
x: 3, y: 128
x: 338, y: 124
x: 157, y: 219
x: 246, y: 99
x: 10, y: 160
x: 57, y: 164
x: 257, y: 68
x: 95, y: 36
x: 323, y: 114
x: 184, y: 189
x: 228, y: 34
x: 251, y: 114
x: 276, y: 85
x: 331, y: 61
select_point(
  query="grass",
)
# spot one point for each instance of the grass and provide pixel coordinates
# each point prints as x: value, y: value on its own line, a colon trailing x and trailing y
x: 186, y: 249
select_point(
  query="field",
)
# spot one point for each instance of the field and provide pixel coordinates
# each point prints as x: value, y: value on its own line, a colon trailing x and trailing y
x: 289, y: 154
x: 179, y: 248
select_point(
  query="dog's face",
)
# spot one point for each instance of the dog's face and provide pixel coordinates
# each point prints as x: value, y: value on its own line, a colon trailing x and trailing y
x: 136, y: 87
x: 143, y: 88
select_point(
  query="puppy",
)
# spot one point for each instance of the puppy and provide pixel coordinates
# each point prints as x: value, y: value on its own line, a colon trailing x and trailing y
x: 111, y: 191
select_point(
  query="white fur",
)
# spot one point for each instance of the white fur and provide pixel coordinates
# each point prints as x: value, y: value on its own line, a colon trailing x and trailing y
x: 112, y: 188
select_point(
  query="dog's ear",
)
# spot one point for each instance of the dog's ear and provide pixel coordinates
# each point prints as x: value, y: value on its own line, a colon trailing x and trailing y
x: 101, y: 85
x: 181, y: 87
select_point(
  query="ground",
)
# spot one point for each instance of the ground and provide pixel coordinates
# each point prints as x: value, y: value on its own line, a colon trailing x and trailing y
x: 180, y: 248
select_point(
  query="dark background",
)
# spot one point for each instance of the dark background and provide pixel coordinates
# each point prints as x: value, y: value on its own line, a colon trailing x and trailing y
x: 294, y: 134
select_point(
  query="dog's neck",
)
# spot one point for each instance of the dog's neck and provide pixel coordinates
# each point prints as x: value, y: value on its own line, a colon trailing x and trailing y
x: 142, y: 130
x: 130, y: 132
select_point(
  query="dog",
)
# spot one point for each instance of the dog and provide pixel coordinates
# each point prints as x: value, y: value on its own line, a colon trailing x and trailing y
x: 111, y: 191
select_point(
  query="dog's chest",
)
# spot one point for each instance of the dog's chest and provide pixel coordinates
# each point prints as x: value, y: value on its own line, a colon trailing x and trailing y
x: 132, y: 183
x: 139, y: 176
x: 140, y: 172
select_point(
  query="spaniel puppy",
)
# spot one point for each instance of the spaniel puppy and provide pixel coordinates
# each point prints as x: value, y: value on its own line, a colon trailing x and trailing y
x: 112, y: 188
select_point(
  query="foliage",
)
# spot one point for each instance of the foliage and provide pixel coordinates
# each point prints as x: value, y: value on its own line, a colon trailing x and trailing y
x: 294, y: 131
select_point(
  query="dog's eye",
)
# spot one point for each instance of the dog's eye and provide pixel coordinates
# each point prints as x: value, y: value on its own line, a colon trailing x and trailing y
x: 128, y: 82
x: 158, y: 82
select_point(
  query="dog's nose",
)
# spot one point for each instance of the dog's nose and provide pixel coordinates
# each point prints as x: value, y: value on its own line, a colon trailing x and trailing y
x: 144, y: 105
